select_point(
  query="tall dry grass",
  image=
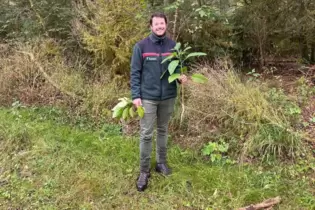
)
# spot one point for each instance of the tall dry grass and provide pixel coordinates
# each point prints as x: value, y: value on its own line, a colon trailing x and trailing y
x: 39, y: 74
x: 241, y: 113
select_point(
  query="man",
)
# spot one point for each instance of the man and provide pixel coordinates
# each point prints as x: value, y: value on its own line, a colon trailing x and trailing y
x: 155, y: 94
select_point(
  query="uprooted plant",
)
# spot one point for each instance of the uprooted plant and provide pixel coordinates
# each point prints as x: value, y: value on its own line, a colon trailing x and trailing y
x: 177, y: 67
x: 125, y: 109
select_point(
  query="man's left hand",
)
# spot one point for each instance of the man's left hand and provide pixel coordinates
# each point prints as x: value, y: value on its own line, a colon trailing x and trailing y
x: 183, y: 79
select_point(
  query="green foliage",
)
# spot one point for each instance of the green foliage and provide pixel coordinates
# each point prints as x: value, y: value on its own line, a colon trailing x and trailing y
x: 29, y: 19
x: 304, y: 91
x: 288, y: 107
x: 253, y: 75
x: 283, y: 29
x: 217, y: 152
x: 125, y: 109
x: 109, y: 31
x: 247, y: 31
x: 172, y: 66
x: 199, y: 78
x: 178, y: 58
x: 173, y: 77
x: 202, y: 24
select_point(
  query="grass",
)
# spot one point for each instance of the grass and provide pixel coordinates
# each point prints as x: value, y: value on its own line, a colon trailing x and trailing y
x: 47, y: 164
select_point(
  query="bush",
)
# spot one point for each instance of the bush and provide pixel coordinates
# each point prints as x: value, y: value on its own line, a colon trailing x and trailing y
x: 109, y: 29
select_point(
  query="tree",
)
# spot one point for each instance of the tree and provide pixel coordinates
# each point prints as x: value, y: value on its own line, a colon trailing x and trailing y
x: 109, y: 29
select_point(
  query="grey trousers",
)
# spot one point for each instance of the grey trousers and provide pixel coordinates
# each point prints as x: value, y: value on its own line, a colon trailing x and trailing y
x: 159, y: 112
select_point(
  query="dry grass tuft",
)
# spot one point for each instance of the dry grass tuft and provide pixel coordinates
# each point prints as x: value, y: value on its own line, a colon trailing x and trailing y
x: 241, y: 113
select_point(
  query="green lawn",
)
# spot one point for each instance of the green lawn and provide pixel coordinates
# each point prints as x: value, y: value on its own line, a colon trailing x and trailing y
x: 48, y: 164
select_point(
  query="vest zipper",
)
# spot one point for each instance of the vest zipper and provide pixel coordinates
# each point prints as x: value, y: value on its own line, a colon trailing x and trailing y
x: 161, y: 70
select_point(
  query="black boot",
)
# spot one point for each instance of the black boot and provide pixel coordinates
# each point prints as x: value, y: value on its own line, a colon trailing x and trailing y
x: 163, y: 169
x: 142, y: 181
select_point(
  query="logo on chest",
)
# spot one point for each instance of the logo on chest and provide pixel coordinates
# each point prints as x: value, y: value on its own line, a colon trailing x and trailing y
x: 151, y: 58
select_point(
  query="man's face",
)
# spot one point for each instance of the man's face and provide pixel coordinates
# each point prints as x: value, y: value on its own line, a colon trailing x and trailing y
x: 158, y: 26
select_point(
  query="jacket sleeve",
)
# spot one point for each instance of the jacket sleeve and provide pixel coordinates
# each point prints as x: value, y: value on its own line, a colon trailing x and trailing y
x: 135, y: 73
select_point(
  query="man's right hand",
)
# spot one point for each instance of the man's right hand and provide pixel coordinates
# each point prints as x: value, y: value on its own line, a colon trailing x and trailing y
x: 137, y: 102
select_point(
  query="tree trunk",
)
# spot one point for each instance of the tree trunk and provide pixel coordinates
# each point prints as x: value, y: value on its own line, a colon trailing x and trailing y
x: 313, y: 53
x: 175, y: 23
x: 302, y: 41
x: 303, y: 48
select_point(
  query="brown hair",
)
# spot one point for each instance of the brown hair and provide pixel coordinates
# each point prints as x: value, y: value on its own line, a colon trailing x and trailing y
x: 158, y: 14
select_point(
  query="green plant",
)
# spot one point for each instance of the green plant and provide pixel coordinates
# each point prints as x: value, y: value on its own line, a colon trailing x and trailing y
x: 109, y: 29
x: 125, y: 109
x: 304, y: 90
x: 253, y: 75
x: 178, y: 59
x: 288, y: 107
x: 216, y: 151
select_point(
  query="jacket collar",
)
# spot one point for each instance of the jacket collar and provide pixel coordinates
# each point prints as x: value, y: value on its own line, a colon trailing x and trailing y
x: 157, y: 39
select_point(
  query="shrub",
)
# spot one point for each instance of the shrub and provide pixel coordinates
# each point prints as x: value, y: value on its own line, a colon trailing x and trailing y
x: 109, y: 29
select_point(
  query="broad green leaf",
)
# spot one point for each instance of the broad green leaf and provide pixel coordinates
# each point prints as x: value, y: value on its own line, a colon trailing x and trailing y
x: 118, y: 112
x: 169, y: 57
x: 177, y: 46
x: 121, y: 104
x: 140, y: 111
x: 206, y: 151
x: 125, y: 113
x: 187, y: 48
x: 202, y: 13
x: 131, y: 112
x: 194, y: 54
x: 128, y: 100
x: 173, y: 77
x: 172, y: 66
x: 199, y: 78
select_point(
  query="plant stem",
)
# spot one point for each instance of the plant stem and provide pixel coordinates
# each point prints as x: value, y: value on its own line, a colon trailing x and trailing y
x: 183, y: 106
x: 183, y: 98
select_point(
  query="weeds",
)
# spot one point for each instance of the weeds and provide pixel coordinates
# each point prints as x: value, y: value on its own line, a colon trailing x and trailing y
x: 217, y: 152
